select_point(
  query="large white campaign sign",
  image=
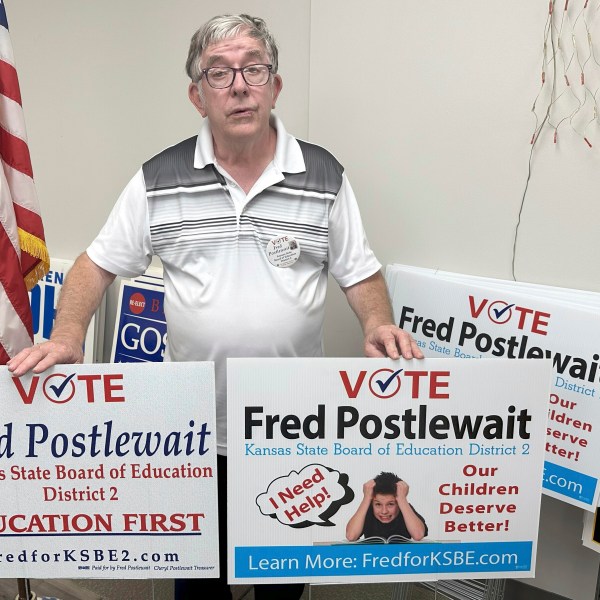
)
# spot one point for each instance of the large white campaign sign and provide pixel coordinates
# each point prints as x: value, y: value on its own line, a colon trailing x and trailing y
x: 109, y: 471
x: 473, y: 317
x: 308, y: 439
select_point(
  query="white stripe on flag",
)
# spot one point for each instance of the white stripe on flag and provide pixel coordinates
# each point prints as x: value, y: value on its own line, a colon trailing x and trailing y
x: 12, y: 118
x: 7, y: 215
x: 22, y: 187
x: 6, y: 50
x: 13, y: 334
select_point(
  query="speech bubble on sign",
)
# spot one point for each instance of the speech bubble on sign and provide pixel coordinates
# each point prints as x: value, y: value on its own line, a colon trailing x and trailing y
x: 307, y: 497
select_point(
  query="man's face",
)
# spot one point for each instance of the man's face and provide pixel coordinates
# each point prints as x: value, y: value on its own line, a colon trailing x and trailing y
x: 240, y: 111
x: 385, y: 507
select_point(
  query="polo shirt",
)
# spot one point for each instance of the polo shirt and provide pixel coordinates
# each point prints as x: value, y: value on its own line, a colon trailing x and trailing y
x: 223, y: 296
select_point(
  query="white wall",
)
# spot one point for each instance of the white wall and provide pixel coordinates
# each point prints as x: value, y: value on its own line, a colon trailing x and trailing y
x: 426, y: 103
x: 104, y: 88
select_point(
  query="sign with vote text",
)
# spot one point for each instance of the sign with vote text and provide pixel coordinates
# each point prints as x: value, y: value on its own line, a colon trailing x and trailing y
x: 358, y: 470
x: 451, y: 315
x: 109, y: 471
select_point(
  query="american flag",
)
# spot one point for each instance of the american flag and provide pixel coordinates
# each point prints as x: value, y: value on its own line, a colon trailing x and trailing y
x: 23, y: 253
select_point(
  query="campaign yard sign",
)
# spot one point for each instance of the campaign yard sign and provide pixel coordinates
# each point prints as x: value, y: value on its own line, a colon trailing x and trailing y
x: 306, y: 437
x: 475, y: 317
x: 109, y: 471
x: 141, y: 328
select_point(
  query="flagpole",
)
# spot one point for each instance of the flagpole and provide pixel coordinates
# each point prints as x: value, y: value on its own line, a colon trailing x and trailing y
x: 24, y: 589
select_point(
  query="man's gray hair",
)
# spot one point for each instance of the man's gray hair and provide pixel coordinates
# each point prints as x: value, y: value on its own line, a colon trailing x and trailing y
x: 224, y: 27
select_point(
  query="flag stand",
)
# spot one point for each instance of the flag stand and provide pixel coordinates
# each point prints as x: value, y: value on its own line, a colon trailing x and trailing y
x: 24, y: 589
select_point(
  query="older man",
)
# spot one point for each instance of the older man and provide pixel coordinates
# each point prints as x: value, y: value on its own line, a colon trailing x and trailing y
x: 247, y: 221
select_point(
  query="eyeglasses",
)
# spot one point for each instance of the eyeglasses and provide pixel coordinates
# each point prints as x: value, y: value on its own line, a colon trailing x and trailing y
x: 223, y: 77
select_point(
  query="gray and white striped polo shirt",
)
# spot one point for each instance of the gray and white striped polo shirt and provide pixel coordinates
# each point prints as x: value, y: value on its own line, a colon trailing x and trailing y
x: 223, y: 298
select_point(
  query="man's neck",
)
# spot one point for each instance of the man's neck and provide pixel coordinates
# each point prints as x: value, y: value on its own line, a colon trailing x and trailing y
x: 245, y: 161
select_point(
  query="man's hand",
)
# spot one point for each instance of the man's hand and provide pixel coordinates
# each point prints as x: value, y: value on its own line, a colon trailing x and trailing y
x: 389, y: 340
x: 80, y: 296
x: 43, y: 356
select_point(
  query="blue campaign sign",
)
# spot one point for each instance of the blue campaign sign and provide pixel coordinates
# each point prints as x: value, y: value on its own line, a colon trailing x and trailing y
x: 43, y: 299
x: 141, y: 329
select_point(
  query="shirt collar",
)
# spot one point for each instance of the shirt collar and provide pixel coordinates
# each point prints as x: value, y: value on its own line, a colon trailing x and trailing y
x: 288, y: 155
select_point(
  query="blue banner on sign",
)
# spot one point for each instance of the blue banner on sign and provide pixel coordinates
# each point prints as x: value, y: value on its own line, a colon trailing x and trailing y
x: 141, y: 331
x: 569, y: 483
x: 382, y: 559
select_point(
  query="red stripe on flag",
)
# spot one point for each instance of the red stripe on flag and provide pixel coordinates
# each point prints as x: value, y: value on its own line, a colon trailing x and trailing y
x: 29, y: 221
x: 32, y: 223
x: 4, y: 357
x: 9, y: 82
x: 13, y: 282
x: 28, y: 264
x: 15, y: 152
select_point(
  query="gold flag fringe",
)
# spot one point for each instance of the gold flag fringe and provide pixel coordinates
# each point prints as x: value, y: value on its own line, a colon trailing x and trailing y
x: 35, y: 247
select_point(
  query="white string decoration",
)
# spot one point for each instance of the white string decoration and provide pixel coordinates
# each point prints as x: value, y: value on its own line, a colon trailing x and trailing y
x: 570, y: 76
x: 569, y: 81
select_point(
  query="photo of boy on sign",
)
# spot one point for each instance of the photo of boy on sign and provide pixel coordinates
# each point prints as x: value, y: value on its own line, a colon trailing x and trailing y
x: 384, y: 514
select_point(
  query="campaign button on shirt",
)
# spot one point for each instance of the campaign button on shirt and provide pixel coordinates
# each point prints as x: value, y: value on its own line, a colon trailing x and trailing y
x: 283, y: 251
